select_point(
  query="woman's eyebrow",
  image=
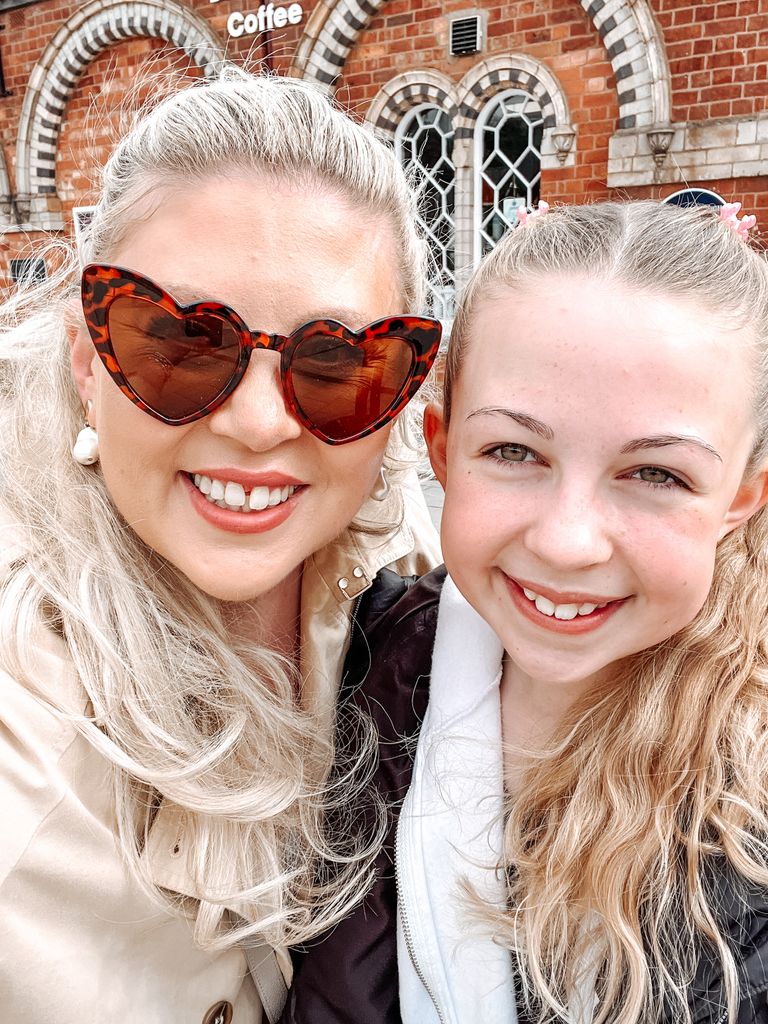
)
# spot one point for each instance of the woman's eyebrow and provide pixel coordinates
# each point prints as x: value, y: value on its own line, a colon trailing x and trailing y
x: 351, y: 318
x: 529, y: 422
x: 666, y: 441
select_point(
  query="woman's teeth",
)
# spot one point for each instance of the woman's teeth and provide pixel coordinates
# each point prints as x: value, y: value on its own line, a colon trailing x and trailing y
x: 560, y: 611
x: 230, y: 495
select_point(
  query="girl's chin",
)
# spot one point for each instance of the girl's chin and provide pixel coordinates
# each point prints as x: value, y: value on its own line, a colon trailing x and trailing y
x: 553, y: 675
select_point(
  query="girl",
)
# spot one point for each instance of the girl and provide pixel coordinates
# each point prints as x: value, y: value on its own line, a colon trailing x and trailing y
x: 176, y: 598
x: 584, y: 838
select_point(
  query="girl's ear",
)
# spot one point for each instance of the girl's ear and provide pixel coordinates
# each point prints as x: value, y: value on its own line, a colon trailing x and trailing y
x: 750, y: 497
x: 82, y: 354
x: 436, y: 436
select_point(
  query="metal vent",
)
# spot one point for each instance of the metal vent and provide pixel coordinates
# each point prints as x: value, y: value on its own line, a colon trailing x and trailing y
x: 466, y: 36
x: 28, y: 271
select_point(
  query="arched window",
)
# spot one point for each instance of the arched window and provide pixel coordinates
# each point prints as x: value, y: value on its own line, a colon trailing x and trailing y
x: 424, y: 146
x: 508, y: 138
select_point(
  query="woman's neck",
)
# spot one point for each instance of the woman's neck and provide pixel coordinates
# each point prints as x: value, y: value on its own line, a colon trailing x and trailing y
x: 272, y: 619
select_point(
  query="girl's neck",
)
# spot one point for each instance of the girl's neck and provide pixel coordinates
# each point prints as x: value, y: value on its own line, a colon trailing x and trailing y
x: 272, y: 619
x: 531, y: 712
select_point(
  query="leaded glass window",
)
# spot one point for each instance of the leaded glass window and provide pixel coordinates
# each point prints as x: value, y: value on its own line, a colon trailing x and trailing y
x: 424, y: 145
x: 507, y: 164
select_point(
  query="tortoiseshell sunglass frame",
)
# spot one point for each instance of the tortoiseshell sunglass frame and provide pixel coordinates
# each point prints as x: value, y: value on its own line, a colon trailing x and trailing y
x: 102, y: 284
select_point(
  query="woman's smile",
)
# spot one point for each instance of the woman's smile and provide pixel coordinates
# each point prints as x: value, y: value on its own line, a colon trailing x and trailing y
x: 239, y: 503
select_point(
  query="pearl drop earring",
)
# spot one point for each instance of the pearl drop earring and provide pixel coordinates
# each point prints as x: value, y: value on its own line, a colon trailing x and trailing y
x: 86, y: 447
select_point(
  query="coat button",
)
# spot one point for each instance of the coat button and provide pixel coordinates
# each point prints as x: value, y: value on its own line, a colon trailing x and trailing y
x: 220, y: 1013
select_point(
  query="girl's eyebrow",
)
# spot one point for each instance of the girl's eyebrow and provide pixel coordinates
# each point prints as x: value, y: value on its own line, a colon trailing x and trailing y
x: 529, y: 422
x: 666, y: 441
x: 639, y: 444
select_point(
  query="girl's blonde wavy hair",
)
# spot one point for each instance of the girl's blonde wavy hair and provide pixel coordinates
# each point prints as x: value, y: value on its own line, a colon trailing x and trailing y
x: 658, y: 782
x: 184, y: 712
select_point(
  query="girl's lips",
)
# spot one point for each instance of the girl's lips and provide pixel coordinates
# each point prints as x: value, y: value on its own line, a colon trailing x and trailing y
x: 243, y: 522
x: 574, y: 627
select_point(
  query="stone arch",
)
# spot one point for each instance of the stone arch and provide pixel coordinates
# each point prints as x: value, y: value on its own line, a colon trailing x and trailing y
x: 627, y: 27
x: 408, y: 90
x: 636, y: 51
x: 92, y: 29
x: 511, y: 71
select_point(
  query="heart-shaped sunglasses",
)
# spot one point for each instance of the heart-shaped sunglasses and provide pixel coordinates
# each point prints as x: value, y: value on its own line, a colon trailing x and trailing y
x: 179, y: 363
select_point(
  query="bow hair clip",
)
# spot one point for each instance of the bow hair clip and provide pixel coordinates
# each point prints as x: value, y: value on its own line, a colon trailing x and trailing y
x: 525, y: 216
x: 729, y: 215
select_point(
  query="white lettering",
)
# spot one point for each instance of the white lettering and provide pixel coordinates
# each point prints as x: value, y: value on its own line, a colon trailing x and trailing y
x: 235, y: 24
x: 266, y: 18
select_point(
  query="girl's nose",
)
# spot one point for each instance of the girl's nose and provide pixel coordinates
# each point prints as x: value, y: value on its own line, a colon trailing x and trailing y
x: 256, y: 413
x: 572, y: 532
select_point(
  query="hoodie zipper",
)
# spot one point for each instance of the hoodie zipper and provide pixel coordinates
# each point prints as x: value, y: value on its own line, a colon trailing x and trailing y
x: 407, y: 934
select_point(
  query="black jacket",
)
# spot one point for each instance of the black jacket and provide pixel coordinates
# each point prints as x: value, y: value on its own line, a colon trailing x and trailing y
x: 350, y: 975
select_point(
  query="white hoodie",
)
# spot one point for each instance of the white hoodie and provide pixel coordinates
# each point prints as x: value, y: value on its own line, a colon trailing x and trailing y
x: 450, y: 830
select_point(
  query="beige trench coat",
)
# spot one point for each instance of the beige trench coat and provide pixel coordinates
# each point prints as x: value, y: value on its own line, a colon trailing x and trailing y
x: 80, y: 941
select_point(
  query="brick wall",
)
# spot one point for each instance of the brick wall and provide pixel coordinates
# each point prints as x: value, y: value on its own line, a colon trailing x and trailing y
x: 718, y: 63
x: 112, y: 88
x: 717, y: 54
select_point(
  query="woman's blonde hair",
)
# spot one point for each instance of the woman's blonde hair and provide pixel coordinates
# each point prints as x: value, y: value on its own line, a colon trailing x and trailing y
x: 629, y: 838
x: 184, y: 712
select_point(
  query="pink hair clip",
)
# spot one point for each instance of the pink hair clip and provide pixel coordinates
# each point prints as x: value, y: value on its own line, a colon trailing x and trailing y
x: 524, y: 215
x: 729, y: 215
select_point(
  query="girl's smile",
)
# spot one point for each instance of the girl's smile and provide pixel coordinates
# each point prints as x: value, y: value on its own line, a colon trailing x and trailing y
x: 569, y: 613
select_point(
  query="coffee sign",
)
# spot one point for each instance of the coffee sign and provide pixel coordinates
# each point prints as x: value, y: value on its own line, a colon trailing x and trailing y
x: 266, y: 18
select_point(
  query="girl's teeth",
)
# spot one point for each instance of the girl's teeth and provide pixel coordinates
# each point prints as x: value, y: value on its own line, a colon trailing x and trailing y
x: 233, y: 496
x: 566, y: 611
x: 559, y: 611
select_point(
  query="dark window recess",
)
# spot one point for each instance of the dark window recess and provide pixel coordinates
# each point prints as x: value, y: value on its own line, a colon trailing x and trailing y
x: 3, y: 90
x: 28, y: 271
x: 465, y: 36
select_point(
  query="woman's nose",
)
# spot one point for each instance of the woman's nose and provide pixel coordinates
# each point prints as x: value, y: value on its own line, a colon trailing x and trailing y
x: 572, y: 531
x: 256, y: 413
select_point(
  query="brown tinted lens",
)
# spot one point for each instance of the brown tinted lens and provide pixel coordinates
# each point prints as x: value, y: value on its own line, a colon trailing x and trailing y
x: 344, y: 388
x: 176, y: 364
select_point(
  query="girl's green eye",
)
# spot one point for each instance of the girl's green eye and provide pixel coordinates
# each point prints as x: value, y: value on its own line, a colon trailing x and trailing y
x: 654, y: 475
x: 512, y: 452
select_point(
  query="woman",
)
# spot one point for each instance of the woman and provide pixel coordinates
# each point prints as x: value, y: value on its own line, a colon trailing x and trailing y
x: 177, y: 597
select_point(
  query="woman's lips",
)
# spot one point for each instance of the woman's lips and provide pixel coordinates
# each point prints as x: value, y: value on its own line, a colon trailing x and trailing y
x: 578, y: 624
x: 242, y: 522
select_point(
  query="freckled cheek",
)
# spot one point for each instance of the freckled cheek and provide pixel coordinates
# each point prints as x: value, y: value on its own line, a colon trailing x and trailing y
x: 679, y: 575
